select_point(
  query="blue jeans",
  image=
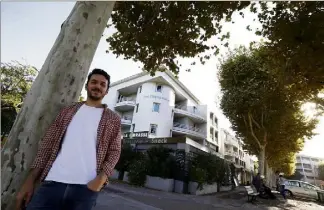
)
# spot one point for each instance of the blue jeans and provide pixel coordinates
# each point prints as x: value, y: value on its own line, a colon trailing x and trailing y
x: 58, y: 196
x: 282, y: 191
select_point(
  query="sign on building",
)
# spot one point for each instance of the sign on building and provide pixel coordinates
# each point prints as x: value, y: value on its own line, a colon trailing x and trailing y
x: 140, y: 134
x: 170, y: 140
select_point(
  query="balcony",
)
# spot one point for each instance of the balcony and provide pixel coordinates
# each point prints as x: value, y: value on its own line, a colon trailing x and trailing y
x: 309, y: 173
x: 231, y: 142
x: 125, y: 104
x: 194, y: 115
x: 126, y: 120
x: 230, y: 160
x: 231, y: 153
x: 190, y: 131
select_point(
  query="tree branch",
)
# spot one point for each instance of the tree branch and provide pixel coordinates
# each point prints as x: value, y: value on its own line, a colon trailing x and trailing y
x: 265, y: 136
x: 252, y: 132
x: 262, y: 114
x: 254, y: 121
x: 245, y: 121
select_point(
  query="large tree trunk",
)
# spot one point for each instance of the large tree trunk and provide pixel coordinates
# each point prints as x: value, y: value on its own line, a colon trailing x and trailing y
x: 59, y: 83
x: 261, y: 159
x: 267, y: 173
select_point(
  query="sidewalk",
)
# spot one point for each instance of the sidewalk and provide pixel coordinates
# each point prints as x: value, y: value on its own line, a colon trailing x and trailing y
x: 143, y: 198
x: 158, y: 198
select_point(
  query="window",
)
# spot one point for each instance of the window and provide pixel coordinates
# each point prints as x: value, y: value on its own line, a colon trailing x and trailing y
x: 308, y: 186
x: 120, y: 98
x: 140, y: 89
x: 153, y: 128
x: 211, y: 116
x: 133, y: 127
x: 158, y: 88
x: 211, y: 133
x: 307, y: 166
x: 156, y: 107
x: 136, y: 108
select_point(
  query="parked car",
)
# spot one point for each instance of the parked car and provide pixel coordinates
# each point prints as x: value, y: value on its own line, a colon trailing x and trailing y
x: 301, y: 189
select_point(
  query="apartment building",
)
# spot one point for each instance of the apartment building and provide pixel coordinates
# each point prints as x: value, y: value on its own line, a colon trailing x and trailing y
x: 308, y: 167
x: 161, y: 110
x: 233, y: 152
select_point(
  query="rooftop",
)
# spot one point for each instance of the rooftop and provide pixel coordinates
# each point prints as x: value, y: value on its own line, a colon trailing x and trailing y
x: 167, y: 72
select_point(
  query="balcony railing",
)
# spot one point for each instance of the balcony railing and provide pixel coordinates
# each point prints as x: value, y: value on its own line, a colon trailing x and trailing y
x: 127, y: 100
x: 231, y: 153
x: 127, y: 120
x: 189, y: 129
x: 231, y: 141
x: 189, y: 111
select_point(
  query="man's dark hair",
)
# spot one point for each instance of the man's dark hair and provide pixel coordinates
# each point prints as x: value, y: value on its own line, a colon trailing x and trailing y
x: 101, y: 72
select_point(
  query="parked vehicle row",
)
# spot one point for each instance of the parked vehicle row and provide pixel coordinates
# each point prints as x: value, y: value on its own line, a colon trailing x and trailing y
x: 301, y: 189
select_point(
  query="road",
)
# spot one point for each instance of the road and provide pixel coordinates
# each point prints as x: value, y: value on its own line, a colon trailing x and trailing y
x: 124, y: 197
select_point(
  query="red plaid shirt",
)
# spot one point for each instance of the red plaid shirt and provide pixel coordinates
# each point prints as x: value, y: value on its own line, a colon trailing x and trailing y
x: 108, y: 140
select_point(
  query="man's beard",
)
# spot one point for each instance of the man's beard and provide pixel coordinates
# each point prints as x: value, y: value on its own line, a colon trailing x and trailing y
x: 94, y: 98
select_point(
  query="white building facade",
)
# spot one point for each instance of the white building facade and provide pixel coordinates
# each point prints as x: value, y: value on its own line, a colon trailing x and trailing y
x: 308, y: 167
x: 161, y: 110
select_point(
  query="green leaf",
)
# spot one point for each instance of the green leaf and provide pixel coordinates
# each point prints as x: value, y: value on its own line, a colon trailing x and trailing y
x: 156, y: 33
x: 262, y: 110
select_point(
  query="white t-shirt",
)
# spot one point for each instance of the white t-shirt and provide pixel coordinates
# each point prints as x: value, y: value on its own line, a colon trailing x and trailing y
x: 76, y: 162
x: 282, y: 181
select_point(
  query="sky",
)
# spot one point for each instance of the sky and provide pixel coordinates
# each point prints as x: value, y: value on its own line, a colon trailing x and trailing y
x: 29, y: 30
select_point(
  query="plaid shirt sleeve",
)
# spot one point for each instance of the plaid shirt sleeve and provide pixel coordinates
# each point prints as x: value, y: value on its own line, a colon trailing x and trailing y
x: 46, y: 144
x: 114, y: 150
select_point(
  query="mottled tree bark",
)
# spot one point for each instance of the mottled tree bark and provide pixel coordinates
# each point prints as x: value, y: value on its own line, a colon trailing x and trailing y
x: 59, y: 83
x: 261, y: 159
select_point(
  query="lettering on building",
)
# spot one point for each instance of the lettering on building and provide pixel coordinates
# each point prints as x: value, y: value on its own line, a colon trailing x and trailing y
x: 170, y: 140
x: 156, y: 97
x: 140, y: 134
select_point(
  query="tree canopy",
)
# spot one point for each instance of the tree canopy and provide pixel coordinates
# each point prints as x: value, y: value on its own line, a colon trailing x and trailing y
x: 294, y: 38
x: 262, y: 112
x: 157, y: 33
x: 16, y: 80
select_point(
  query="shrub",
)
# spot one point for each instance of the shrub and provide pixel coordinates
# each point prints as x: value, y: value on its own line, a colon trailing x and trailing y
x: 160, y: 162
x: 126, y: 156
x: 215, y: 170
x: 198, y: 175
x: 137, y: 170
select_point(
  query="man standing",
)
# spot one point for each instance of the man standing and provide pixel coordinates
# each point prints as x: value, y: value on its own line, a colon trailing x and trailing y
x: 77, y: 154
x: 257, y: 182
x: 282, y: 182
x: 277, y: 181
